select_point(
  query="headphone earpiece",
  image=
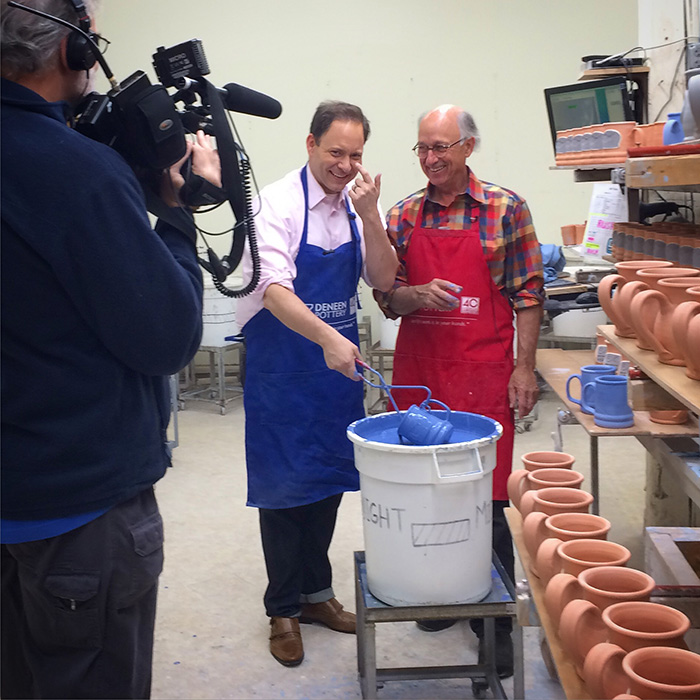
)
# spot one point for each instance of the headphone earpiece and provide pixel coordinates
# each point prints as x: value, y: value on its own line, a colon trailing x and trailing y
x: 79, y: 52
x: 79, y: 55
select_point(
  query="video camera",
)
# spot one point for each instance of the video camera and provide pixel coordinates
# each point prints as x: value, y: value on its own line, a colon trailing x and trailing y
x: 141, y: 121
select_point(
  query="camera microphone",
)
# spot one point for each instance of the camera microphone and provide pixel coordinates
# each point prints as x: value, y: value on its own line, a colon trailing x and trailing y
x: 238, y: 98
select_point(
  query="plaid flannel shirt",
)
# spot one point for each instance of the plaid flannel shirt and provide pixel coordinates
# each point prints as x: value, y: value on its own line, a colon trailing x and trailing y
x: 508, y: 238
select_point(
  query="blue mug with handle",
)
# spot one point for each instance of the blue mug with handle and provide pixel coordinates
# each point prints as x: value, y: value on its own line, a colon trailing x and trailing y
x: 419, y: 426
x: 607, y: 395
x: 588, y: 374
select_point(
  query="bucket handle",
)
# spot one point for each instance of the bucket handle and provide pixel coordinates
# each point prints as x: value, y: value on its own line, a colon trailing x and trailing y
x: 464, y: 476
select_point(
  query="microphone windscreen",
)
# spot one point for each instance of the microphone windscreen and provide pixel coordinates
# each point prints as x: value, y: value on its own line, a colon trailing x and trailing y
x: 238, y: 98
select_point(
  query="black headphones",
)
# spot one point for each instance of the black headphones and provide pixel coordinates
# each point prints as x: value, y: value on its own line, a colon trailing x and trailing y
x: 79, y: 53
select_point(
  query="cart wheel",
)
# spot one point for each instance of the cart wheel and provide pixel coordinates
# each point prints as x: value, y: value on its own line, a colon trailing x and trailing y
x: 479, y: 687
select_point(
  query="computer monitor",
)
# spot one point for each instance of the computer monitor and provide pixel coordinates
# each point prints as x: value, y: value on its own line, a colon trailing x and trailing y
x: 587, y: 102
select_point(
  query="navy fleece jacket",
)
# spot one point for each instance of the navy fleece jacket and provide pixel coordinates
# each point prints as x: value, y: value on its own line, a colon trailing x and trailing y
x: 97, y: 310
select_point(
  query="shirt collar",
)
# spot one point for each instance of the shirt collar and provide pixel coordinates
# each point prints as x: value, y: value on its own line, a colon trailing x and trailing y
x: 20, y: 96
x: 475, y: 189
x: 318, y: 195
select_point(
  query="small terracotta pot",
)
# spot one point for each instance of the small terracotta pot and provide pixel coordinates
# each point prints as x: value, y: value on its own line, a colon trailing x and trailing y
x: 579, y: 555
x: 603, y: 673
x: 606, y: 585
x: 577, y: 526
x: 543, y: 459
x: 581, y: 627
x: 633, y: 625
x: 663, y: 672
x: 560, y: 591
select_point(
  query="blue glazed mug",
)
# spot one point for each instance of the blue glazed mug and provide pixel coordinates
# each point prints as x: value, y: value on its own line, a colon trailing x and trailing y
x: 607, y: 395
x: 419, y: 426
x: 588, y: 374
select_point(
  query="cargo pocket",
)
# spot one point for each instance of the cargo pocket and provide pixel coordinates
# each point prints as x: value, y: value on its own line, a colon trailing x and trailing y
x: 145, y: 559
x: 65, y: 610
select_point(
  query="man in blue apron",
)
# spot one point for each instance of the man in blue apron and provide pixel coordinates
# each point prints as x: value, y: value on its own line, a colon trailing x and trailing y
x: 317, y: 235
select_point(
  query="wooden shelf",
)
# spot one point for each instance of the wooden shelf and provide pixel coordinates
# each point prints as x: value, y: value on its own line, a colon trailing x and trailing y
x: 570, y: 681
x: 557, y: 365
x: 672, y: 379
x: 664, y: 173
x: 596, y: 73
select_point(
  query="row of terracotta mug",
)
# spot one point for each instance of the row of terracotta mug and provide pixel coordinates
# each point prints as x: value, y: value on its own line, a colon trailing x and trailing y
x: 676, y: 242
x: 600, y: 608
x: 604, y: 143
x: 657, y: 304
x: 603, y: 395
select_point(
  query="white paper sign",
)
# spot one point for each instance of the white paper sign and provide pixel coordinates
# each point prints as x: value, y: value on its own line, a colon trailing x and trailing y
x: 608, y: 205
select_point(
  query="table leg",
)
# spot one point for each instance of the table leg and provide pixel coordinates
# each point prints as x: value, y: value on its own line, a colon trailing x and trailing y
x: 594, y: 476
x: 518, y: 662
x: 222, y: 380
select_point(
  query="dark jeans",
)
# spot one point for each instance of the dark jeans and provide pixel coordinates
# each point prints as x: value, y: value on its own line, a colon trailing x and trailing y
x: 78, y: 610
x: 503, y: 546
x: 295, y: 544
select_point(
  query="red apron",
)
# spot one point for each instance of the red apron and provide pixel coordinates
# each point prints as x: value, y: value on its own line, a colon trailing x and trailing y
x: 465, y: 356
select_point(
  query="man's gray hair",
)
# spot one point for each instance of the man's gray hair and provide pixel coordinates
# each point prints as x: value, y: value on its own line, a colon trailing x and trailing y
x: 467, y: 127
x: 465, y: 123
x: 30, y: 43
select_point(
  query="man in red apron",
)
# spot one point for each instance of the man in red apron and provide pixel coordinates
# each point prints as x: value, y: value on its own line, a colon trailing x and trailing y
x: 469, y: 259
x: 301, y: 389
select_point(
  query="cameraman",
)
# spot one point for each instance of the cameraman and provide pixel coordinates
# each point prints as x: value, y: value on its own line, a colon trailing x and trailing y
x: 97, y: 310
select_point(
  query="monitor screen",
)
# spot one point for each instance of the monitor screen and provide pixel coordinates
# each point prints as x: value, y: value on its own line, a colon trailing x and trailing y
x: 588, y: 102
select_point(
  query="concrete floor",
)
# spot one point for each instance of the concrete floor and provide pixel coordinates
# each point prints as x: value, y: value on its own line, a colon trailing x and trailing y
x: 211, y: 630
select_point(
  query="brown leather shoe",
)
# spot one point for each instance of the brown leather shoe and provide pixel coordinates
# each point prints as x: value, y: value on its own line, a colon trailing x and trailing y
x: 331, y: 614
x: 285, y: 641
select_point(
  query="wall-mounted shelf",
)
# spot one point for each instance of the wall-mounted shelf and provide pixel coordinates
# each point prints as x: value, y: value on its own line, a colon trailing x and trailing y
x: 664, y: 173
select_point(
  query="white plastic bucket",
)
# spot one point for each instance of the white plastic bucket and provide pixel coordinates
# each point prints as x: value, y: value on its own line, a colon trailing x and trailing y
x: 427, y: 510
x: 218, y: 316
x: 388, y: 332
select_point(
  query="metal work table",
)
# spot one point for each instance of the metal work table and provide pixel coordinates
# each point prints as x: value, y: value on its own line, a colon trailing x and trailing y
x: 556, y: 366
x: 500, y: 602
x: 217, y: 391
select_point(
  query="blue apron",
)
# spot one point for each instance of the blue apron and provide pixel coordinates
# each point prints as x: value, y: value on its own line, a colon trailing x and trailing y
x: 297, y: 410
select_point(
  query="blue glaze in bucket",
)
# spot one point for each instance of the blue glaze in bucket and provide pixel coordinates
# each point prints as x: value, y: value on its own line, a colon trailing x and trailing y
x: 427, y: 509
x: 383, y: 428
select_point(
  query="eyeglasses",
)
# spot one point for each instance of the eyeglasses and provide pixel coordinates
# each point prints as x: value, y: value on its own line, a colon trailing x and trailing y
x: 102, y: 43
x: 439, y: 149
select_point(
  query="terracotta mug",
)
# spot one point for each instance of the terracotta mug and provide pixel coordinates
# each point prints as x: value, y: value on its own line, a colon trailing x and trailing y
x: 662, y: 672
x: 610, y: 292
x: 635, y: 624
x: 578, y: 555
x: 588, y: 374
x: 563, y: 527
x: 606, y: 585
x: 652, y: 313
x: 521, y: 481
x: 681, y: 322
x: 603, y: 672
x: 581, y: 627
x: 544, y: 459
x: 607, y: 396
x: 555, y: 499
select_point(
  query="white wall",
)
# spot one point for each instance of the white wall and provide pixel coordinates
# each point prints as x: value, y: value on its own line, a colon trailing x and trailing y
x: 395, y: 58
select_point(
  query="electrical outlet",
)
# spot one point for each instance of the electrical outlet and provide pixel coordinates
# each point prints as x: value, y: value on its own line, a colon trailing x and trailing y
x: 692, y: 57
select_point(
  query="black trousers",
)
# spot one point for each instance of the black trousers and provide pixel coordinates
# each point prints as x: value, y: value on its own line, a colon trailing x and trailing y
x: 78, y: 610
x: 295, y: 544
x: 503, y: 546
